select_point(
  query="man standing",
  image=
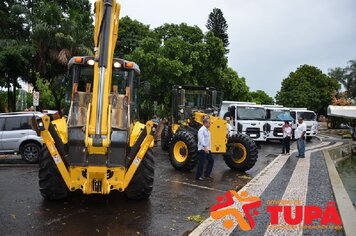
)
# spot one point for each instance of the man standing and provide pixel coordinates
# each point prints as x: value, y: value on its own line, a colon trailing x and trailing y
x: 204, y: 151
x: 299, y: 133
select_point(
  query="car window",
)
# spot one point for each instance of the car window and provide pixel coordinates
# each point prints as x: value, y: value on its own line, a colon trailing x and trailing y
x: 17, y: 123
x: 2, y: 122
x: 26, y: 123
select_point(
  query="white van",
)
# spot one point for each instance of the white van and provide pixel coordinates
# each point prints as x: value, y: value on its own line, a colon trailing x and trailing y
x: 273, y: 124
x: 310, y: 119
x: 246, y: 118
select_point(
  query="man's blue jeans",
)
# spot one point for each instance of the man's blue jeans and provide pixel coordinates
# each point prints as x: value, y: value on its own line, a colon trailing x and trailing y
x: 202, y: 156
x: 301, y: 147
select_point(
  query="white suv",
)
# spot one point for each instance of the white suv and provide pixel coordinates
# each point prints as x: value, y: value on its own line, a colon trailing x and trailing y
x: 17, y: 136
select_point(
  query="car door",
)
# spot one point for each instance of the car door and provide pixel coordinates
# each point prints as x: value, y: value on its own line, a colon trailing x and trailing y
x: 13, y: 133
x: 2, y: 122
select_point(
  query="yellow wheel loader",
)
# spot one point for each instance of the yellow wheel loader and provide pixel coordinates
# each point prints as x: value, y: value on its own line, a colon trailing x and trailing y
x: 190, y: 105
x: 100, y: 147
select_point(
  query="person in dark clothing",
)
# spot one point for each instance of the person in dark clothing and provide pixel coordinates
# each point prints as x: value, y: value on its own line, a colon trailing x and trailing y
x: 287, y: 134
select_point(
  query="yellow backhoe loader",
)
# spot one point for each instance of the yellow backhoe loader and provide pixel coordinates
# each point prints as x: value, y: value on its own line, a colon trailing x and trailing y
x: 101, y: 146
x: 190, y: 104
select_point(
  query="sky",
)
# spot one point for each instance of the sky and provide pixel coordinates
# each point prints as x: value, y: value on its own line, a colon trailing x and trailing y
x: 268, y: 38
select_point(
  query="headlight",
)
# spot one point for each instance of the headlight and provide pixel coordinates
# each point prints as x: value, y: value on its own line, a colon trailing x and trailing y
x: 90, y: 62
x: 117, y: 65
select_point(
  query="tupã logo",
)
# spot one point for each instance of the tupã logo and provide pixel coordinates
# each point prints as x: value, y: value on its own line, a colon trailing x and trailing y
x: 224, y: 208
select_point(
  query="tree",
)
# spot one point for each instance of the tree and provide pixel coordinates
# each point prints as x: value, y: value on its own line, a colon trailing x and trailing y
x: 217, y: 24
x: 61, y: 29
x: 346, y: 77
x: 181, y: 54
x: 261, y: 97
x: 307, y: 87
x: 131, y: 32
x: 233, y: 86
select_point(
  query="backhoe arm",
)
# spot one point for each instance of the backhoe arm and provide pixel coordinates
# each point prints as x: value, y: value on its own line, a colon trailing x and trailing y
x: 105, y: 37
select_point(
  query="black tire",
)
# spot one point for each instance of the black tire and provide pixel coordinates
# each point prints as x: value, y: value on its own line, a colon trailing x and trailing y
x: 166, y: 137
x: 52, y: 185
x: 141, y: 185
x: 190, y: 151
x: 30, y: 152
x: 233, y: 153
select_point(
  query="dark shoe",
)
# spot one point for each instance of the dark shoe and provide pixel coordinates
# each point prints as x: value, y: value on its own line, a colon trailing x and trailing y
x: 209, y: 178
x: 300, y: 156
x: 200, y: 179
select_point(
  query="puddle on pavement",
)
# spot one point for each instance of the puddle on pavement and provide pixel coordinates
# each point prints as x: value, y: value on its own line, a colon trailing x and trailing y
x: 347, y: 172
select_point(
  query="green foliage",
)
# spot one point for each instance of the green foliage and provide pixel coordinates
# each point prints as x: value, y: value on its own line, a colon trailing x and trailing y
x: 261, y: 97
x: 307, y: 87
x: 234, y: 87
x: 181, y: 54
x: 61, y: 29
x: 131, y: 33
x: 47, y: 100
x: 346, y: 77
x: 217, y: 24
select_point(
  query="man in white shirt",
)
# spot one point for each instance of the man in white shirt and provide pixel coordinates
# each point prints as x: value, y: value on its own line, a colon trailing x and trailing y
x: 299, y: 134
x: 204, y: 151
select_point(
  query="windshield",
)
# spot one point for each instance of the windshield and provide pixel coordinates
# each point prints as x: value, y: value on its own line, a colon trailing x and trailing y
x: 84, y: 75
x: 307, y: 115
x: 197, y: 99
x: 273, y: 114
x: 250, y: 113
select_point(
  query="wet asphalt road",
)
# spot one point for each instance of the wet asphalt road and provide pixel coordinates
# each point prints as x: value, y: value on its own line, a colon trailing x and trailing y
x: 175, y: 197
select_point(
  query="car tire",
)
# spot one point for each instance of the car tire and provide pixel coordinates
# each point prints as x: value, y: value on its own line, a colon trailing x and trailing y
x: 30, y: 152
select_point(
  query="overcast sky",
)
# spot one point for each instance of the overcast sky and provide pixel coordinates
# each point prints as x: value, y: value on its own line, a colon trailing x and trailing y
x: 268, y: 38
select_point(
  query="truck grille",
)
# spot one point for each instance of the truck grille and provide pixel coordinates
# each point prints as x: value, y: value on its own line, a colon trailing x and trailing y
x: 97, y: 186
x: 278, y: 132
x: 253, y: 132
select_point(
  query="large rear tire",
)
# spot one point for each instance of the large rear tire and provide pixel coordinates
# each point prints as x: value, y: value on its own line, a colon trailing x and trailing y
x: 183, y: 151
x: 166, y: 137
x: 141, y: 185
x: 241, y: 153
x: 52, y: 185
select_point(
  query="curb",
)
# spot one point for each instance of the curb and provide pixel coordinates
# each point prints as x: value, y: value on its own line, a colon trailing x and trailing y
x: 343, y: 201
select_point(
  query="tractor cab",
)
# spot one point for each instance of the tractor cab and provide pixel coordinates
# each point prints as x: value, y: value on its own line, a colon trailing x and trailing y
x: 188, y: 99
x: 123, y: 94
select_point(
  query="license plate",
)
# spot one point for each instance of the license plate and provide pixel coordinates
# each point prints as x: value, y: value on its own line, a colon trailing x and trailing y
x: 253, y: 135
x: 280, y: 134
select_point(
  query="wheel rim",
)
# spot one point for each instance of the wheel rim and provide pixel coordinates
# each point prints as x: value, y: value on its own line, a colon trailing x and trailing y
x: 30, y: 153
x: 239, y: 153
x: 180, y: 151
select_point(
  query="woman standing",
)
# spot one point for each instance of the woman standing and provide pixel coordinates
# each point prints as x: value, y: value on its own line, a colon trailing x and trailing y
x: 287, y: 134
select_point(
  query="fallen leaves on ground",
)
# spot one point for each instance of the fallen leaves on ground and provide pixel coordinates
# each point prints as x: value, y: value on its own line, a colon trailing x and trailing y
x: 244, y: 177
x: 196, y: 218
